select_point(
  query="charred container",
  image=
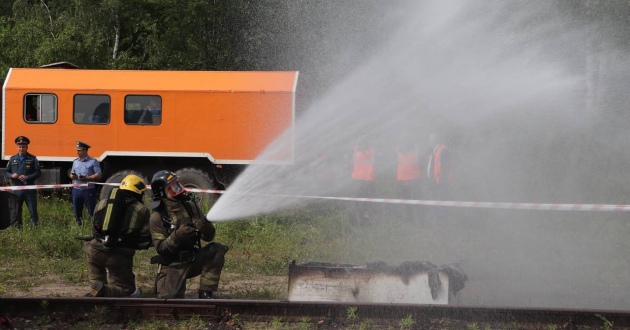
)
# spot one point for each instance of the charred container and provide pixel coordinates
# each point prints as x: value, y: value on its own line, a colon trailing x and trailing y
x: 412, y: 282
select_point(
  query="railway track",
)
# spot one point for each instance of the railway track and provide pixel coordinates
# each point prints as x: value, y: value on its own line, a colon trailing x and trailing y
x: 222, y: 310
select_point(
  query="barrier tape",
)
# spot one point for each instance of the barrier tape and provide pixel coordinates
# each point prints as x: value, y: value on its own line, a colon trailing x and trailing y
x: 485, y: 205
x: 79, y: 185
x: 44, y: 186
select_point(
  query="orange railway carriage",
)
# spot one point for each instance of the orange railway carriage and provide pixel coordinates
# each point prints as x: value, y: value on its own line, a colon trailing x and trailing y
x: 206, y: 125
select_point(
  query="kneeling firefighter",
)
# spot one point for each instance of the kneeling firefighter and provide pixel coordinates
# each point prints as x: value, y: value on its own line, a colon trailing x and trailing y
x: 177, y: 228
x: 121, y: 226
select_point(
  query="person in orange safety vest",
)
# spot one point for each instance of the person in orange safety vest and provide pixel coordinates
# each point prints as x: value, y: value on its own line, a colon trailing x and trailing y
x: 363, y: 159
x: 438, y: 169
x: 409, y: 175
x: 408, y: 169
x: 363, y: 177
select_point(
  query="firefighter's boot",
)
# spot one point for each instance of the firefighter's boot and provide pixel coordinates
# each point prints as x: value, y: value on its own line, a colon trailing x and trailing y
x: 203, y: 294
x: 97, y: 290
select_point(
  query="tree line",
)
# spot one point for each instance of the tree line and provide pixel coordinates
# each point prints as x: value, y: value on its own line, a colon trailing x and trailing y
x: 189, y: 35
x: 323, y: 39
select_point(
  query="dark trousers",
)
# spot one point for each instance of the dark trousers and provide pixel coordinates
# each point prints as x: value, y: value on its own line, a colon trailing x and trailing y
x: 81, y: 198
x: 439, y: 192
x: 208, y: 262
x: 30, y: 198
x: 117, y: 262
x: 410, y: 189
x: 364, y: 211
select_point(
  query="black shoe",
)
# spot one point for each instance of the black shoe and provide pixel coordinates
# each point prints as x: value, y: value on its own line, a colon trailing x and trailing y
x: 203, y: 294
x: 79, y: 223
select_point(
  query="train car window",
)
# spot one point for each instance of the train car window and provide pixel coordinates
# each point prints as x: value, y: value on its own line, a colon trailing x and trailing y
x: 92, y: 109
x: 143, y: 109
x: 40, y: 108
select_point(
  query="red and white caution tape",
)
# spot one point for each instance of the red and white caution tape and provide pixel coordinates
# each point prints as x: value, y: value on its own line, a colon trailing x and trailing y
x: 79, y: 185
x: 205, y: 191
x: 484, y: 205
x: 43, y: 186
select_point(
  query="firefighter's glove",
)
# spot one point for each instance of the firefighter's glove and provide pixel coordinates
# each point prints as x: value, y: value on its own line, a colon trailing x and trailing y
x: 184, y: 237
x: 206, y: 228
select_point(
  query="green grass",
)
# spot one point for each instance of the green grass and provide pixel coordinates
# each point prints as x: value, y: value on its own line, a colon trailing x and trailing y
x: 261, y: 249
x: 260, y: 246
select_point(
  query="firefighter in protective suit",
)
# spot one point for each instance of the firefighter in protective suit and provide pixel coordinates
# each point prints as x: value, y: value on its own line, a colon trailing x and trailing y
x: 177, y: 228
x: 121, y: 226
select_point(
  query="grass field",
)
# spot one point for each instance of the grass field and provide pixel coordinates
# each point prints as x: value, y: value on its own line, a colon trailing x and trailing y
x: 48, y: 260
x: 512, y: 258
x: 539, y: 259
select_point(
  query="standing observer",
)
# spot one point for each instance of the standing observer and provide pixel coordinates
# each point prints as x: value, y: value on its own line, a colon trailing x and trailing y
x: 408, y: 170
x: 439, y: 169
x: 363, y: 177
x: 85, y: 170
x: 23, y: 169
x: 409, y: 174
x: 177, y: 228
x: 121, y: 226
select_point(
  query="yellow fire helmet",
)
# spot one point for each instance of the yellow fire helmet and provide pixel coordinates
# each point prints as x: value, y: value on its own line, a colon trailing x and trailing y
x: 133, y: 183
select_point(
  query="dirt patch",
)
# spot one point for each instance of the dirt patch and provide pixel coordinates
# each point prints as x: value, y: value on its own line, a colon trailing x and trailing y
x: 232, y: 286
x: 51, y: 290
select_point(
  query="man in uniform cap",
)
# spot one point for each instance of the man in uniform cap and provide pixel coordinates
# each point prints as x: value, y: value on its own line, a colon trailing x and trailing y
x: 85, y: 170
x: 82, y: 146
x: 23, y: 169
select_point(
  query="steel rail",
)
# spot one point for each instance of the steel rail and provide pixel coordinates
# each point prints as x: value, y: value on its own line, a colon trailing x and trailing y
x: 266, y: 310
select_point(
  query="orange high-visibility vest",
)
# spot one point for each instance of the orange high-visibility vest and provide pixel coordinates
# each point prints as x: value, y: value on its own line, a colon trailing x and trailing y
x: 436, y: 165
x: 408, y: 166
x: 363, y: 165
